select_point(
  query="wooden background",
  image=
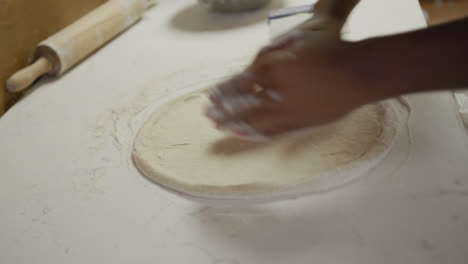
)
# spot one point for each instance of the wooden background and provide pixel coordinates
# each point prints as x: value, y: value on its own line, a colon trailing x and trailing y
x: 23, y: 24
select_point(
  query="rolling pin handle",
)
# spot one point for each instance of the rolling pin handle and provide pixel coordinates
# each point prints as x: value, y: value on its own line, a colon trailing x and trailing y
x: 25, y: 77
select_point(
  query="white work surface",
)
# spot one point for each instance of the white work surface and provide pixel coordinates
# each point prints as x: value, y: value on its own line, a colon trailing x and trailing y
x: 70, y: 194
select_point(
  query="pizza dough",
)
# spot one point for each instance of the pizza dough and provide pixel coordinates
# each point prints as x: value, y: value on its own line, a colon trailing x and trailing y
x: 178, y: 148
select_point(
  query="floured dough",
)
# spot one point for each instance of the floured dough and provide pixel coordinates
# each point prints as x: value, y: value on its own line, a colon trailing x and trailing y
x: 179, y: 148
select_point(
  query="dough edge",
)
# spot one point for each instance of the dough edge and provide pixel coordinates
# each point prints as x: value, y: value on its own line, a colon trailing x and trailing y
x: 395, y: 119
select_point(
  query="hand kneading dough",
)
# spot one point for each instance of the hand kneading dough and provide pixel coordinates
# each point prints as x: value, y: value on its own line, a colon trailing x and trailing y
x: 178, y: 148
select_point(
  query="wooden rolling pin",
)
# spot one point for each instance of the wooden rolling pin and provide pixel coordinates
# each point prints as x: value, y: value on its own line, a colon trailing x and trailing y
x: 69, y: 46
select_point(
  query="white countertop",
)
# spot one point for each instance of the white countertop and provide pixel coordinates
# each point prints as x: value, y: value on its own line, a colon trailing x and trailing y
x: 70, y: 194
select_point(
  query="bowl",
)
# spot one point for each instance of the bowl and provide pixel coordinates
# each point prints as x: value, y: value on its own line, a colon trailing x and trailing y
x: 233, y: 5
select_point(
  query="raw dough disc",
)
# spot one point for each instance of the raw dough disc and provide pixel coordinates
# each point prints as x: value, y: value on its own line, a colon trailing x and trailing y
x: 178, y: 148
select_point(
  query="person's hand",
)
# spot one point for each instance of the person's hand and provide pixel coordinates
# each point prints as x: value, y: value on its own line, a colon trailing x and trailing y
x: 306, y: 78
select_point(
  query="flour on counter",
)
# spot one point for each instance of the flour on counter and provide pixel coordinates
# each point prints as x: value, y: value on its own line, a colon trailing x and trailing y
x: 116, y: 128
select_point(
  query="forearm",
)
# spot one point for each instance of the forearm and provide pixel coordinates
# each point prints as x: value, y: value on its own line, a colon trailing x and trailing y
x: 423, y: 60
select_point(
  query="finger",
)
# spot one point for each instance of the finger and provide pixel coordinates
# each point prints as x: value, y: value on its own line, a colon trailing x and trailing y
x: 234, y: 105
x: 238, y: 124
x: 232, y: 108
x: 239, y: 84
x: 262, y: 73
x: 260, y: 124
x: 273, y: 95
x: 269, y: 70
